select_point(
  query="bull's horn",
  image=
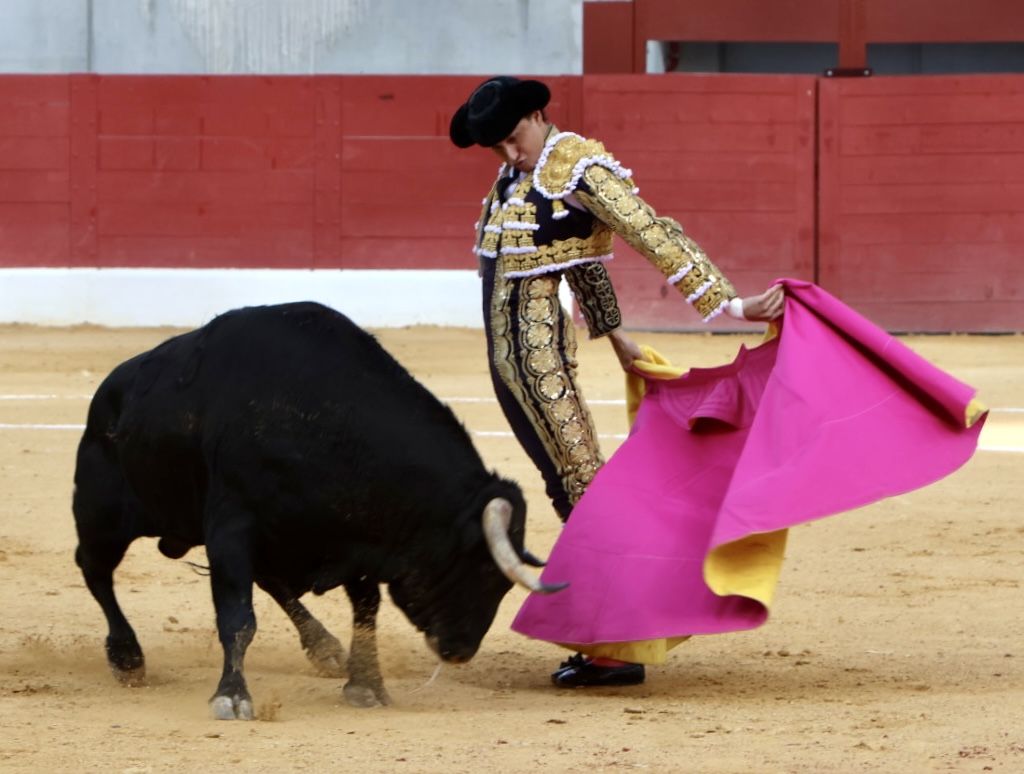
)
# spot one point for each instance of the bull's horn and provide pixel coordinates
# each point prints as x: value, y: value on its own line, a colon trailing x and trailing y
x: 532, y: 560
x: 496, y: 519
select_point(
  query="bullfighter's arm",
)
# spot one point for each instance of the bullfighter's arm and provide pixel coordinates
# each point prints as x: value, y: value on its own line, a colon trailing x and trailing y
x: 572, y: 167
x: 595, y: 295
x: 661, y: 240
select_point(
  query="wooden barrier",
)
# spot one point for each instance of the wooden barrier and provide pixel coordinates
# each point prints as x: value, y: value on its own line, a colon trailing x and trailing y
x: 901, y: 195
x: 922, y: 200
x: 729, y: 157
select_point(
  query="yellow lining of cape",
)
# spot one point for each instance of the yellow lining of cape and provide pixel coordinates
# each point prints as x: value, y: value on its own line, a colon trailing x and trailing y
x: 975, y: 410
x: 748, y: 567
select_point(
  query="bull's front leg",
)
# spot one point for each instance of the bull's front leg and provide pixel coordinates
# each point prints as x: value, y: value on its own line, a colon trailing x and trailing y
x: 228, y: 548
x: 322, y: 648
x: 365, y: 687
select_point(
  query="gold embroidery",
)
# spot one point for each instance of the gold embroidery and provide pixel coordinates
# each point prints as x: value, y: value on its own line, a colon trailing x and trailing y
x: 562, y: 251
x: 660, y: 240
x: 572, y: 432
x: 495, y: 235
x: 542, y: 287
x: 538, y: 309
x: 551, y: 386
x: 503, y: 232
x: 563, y: 410
x: 541, y: 361
x: 490, y: 243
x: 538, y: 336
x: 540, y: 369
x: 556, y: 174
x: 595, y: 295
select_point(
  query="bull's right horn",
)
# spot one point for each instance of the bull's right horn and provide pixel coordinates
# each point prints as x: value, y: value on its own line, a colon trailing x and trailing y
x: 496, y: 519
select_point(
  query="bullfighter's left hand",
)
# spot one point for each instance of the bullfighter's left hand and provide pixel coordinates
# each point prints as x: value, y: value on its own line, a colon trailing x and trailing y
x: 765, y: 307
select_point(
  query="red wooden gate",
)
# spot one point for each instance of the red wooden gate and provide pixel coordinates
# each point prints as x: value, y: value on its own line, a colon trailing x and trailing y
x: 922, y: 200
x: 901, y: 195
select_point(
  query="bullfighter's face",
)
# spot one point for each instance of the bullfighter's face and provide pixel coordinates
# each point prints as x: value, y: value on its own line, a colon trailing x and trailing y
x: 522, y: 148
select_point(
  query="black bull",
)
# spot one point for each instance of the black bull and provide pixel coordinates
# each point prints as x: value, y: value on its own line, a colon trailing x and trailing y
x: 303, y: 457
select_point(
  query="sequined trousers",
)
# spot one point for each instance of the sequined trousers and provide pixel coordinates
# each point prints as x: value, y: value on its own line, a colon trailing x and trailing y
x: 531, y: 348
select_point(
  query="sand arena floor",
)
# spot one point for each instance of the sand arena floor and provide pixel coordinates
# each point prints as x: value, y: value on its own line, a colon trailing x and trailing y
x: 896, y: 643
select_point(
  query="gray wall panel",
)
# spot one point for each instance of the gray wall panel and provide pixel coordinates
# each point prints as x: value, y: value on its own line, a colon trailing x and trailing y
x: 291, y: 36
x: 44, y: 36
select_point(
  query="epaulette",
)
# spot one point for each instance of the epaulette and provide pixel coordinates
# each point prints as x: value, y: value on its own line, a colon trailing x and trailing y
x: 563, y: 161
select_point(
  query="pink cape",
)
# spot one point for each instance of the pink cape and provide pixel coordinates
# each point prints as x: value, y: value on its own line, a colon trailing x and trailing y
x: 831, y: 415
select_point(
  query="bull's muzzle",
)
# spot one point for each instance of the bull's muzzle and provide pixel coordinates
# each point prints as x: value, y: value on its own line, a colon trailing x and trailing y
x: 497, y: 517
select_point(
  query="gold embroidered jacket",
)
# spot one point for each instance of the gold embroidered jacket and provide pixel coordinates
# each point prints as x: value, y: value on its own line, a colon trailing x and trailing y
x: 533, y: 231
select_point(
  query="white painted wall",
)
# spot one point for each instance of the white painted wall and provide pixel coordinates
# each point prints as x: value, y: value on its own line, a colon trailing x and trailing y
x: 292, y: 36
x: 191, y: 297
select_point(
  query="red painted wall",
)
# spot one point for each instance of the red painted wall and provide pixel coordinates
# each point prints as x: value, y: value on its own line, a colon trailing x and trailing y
x: 922, y: 200
x: 731, y: 158
x: 902, y: 195
x: 608, y: 37
x: 35, y: 170
x: 409, y: 198
x: 202, y: 171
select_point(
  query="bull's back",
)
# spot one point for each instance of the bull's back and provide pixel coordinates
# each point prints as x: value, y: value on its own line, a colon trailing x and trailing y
x: 314, y: 401
x: 303, y: 411
x: 303, y: 354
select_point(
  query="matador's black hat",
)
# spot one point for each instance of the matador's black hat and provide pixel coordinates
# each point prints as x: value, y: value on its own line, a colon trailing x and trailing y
x: 494, y: 108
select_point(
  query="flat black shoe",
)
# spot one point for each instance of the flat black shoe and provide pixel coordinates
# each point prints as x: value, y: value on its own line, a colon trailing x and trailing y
x: 589, y: 674
x: 573, y: 662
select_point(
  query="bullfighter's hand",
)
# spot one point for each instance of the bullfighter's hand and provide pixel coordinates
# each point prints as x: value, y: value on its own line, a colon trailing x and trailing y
x: 626, y: 350
x: 765, y: 307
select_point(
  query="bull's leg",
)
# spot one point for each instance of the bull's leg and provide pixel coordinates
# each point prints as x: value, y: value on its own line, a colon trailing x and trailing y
x: 365, y: 686
x: 124, y: 654
x: 322, y: 648
x: 102, y: 518
x: 228, y: 548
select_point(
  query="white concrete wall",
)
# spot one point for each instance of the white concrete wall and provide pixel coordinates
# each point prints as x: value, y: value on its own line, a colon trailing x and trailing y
x: 191, y: 297
x: 292, y: 36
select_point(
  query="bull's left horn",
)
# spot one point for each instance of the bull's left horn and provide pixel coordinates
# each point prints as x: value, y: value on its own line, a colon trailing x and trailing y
x: 496, y: 519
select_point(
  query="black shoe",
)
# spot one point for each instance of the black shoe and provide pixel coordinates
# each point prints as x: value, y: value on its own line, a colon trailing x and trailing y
x: 579, y: 671
x: 575, y: 661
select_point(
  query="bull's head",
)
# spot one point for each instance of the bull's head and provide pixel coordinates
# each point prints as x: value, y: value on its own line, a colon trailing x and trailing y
x: 455, y: 608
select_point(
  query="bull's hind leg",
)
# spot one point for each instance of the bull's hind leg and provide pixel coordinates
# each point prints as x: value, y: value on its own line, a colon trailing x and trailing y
x: 322, y: 648
x: 365, y: 687
x: 228, y: 549
x: 104, y: 524
x: 124, y: 654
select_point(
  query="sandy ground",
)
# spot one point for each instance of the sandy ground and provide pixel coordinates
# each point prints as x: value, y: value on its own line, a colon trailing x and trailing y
x: 896, y: 643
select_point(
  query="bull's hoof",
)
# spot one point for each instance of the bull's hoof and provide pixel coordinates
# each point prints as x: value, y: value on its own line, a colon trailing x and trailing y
x: 231, y: 708
x: 130, y: 678
x: 126, y: 661
x: 327, y: 656
x: 365, y: 696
